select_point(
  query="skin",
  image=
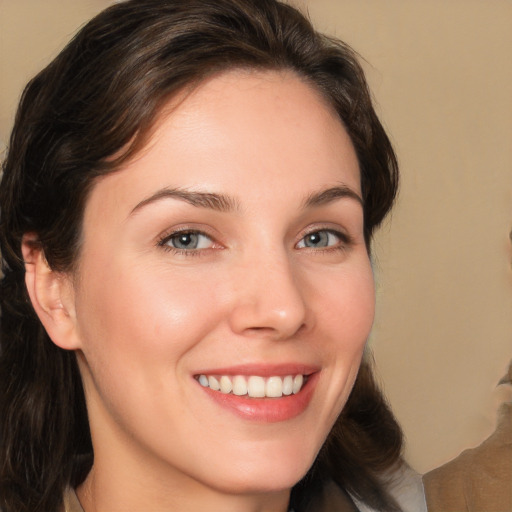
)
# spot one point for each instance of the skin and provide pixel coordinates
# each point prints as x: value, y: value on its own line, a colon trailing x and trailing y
x: 145, y: 319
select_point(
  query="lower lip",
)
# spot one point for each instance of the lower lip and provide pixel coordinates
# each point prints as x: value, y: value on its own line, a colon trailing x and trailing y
x: 267, y: 410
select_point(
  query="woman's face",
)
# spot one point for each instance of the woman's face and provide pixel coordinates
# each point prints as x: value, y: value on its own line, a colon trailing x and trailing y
x: 229, y: 253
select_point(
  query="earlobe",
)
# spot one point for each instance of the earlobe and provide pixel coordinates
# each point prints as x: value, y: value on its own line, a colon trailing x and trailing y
x: 51, y: 294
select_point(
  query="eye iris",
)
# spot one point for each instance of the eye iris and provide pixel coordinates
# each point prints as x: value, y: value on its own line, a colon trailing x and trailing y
x: 318, y: 239
x: 185, y: 241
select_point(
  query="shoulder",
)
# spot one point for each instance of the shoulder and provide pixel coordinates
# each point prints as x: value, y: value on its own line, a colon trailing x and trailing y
x: 479, y: 478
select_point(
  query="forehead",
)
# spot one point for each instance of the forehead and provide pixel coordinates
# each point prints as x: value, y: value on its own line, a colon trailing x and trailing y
x: 241, y: 132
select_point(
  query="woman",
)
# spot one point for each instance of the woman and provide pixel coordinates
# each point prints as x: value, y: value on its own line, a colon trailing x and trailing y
x: 188, y: 201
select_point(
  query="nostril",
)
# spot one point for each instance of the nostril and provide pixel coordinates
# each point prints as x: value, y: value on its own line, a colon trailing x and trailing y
x: 260, y: 331
x: 273, y: 333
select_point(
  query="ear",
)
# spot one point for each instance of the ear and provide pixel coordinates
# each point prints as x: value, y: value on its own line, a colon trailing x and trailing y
x: 51, y: 294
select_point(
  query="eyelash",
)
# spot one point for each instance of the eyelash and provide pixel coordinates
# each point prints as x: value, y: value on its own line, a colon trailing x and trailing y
x: 345, y: 241
x: 166, y: 238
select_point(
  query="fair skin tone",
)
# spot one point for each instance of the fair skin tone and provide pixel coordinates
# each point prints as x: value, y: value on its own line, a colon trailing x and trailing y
x: 232, y: 245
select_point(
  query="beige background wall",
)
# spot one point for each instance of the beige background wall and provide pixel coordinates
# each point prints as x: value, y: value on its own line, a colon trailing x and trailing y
x: 441, y: 73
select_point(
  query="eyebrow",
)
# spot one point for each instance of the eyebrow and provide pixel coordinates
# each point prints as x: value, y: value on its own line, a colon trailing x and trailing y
x: 225, y: 204
x: 210, y: 200
x: 332, y: 194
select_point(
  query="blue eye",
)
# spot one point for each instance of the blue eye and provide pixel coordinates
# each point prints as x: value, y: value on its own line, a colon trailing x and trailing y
x: 188, y: 241
x: 320, y: 239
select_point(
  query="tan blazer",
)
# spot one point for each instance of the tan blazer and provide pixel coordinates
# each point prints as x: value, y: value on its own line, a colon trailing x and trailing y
x: 478, y: 480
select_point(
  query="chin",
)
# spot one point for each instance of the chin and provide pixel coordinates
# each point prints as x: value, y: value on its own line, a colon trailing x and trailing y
x: 272, y: 480
x: 267, y: 471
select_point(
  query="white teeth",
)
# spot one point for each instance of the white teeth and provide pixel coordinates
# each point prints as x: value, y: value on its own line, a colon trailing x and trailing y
x: 239, y: 386
x: 274, y: 387
x: 288, y: 385
x: 225, y: 384
x: 254, y: 386
x: 297, y: 383
x: 213, y: 383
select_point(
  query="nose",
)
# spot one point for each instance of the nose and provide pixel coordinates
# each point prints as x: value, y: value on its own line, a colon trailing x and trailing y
x: 269, y: 299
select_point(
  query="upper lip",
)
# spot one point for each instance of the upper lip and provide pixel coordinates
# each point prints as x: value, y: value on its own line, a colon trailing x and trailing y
x: 263, y: 370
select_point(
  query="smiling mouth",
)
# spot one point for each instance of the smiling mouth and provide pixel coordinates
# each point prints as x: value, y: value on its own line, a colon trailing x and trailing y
x: 254, y: 386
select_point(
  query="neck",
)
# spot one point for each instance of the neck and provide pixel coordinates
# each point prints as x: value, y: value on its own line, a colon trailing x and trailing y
x: 109, y: 493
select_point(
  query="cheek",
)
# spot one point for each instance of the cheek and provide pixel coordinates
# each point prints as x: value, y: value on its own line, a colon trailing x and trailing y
x: 356, y: 315
x: 138, y: 328
x: 347, y: 309
x: 133, y: 312
x: 346, y: 305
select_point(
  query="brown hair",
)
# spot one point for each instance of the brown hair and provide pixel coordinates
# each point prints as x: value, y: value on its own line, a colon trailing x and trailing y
x: 99, y: 98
